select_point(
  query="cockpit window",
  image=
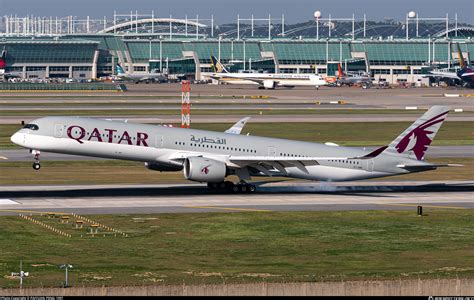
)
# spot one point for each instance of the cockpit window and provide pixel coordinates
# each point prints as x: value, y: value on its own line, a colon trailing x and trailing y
x: 31, y: 126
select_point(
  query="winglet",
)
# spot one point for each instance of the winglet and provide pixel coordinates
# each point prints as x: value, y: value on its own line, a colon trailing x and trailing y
x: 237, y: 127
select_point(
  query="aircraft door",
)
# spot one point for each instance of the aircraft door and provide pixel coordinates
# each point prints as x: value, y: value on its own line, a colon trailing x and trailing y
x: 159, y: 141
x: 271, y: 151
x: 370, y: 165
x: 58, y: 130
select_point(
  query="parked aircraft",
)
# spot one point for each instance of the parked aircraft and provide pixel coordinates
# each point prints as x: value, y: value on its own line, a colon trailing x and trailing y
x: 264, y: 80
x: 209, y: 156
x: 352, y: 78
x: 465, y: 74
x: 3, y: 65
x: 137, y: 77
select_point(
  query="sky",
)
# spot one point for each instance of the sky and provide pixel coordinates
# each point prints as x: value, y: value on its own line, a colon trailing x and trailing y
x: 225, y: 11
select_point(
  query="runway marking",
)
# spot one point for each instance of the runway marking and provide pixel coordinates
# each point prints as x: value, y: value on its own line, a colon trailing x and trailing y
x: 8, y: 202
x: 3, y: 157
x: 228, y: 208
x: 430, y: 206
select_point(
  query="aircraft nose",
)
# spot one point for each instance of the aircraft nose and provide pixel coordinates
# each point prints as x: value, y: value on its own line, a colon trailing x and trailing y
x: 17, y: 138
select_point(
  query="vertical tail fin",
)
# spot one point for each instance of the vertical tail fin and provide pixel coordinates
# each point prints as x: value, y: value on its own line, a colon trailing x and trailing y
x: 415, y: 140
x: 119, y: 69
x: 3, y: 59
x: 461, y: 58
x: 339, y: 71
x: 217, y: 65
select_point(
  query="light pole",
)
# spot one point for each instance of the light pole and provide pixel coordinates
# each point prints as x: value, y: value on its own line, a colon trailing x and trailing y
x: 232, y: 49
x: 66, y: 267
x: 340, y: 51
x: 149, y: 56
x: 409, y: 16
x: 219, y: 48
x: 244, y: 52
x: 161, y: 55
x: 317, y: 15
x: 327, y: 51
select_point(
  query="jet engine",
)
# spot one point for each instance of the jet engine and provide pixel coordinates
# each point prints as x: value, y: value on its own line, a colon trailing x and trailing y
x: 163, y: 167
x: 269, y: 84
x: 204, y: 169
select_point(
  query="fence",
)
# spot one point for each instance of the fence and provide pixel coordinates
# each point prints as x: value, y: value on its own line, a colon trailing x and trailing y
x: 416, y: 287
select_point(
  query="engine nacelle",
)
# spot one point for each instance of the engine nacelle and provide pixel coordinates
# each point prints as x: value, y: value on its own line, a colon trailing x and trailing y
x: 163, y: 167
x: 204, y: 169
x: 269, y: 84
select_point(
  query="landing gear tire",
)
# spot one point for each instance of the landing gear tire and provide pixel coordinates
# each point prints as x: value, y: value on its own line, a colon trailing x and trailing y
x: 231, y: 187
x: 36, y: 159
x: 212, y: 185
x: 245, y: 188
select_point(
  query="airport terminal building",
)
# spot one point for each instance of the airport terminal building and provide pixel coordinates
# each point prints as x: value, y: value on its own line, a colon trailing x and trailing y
x: 93, y: 55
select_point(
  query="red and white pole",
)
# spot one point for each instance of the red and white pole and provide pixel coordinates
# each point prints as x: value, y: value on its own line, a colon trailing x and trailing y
x: 185, y: 104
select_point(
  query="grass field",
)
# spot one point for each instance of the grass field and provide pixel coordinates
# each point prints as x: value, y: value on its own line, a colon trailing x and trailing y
x: 242, y: 247
x: 344, y: 134
x: 125, y: 172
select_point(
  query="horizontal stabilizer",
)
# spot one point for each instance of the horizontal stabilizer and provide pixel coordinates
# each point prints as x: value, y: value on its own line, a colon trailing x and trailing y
x: 420, y: 168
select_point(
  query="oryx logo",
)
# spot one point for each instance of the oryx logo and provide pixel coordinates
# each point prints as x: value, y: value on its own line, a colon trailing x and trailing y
x: 205, y: 170
x: 419, y: 138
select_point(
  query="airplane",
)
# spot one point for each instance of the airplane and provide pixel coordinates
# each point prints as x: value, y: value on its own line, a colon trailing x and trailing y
x: 465, y: 74
x: 3, y: 65
x: 264, y: 80
x: 352, y: 78
x: 210, y: 156
x: 121, y: 74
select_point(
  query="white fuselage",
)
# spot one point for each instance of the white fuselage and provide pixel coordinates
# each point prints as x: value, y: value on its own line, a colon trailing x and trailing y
x: 141, y: 77
x: 170, y: 146
x: 278, y: 79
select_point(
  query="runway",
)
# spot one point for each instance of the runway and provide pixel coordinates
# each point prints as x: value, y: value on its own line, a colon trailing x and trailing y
x: 279, y: 118
x: 24, y: 155
x: 195, y: 198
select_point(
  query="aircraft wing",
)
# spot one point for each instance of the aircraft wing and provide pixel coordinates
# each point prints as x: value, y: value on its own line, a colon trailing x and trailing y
x: 265, y: 163
x: 443, y: 74
x: 237, y: 127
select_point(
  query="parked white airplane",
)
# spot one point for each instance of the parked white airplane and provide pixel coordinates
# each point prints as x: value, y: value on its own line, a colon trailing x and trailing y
x: 3, y: 64
x: 264, y: 80
x: 209, y: 156
x: 149, y: 77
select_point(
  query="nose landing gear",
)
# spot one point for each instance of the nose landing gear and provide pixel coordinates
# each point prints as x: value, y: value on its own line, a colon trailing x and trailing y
x: 36, y: 162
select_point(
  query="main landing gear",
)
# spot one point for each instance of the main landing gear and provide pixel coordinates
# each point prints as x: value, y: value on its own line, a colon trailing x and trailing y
x: 36, y: 162
x: 241, y: 187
